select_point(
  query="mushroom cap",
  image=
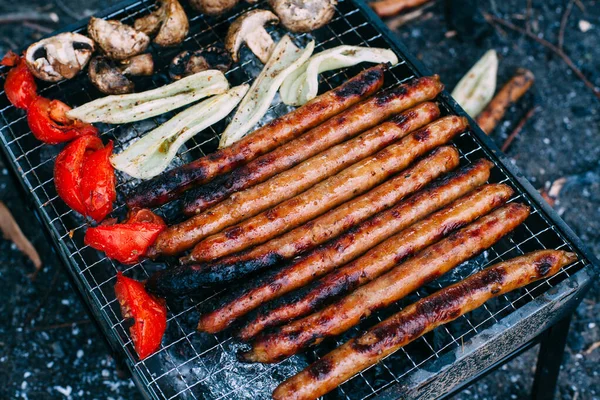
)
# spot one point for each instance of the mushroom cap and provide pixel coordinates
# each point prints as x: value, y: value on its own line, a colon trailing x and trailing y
x: 304, y: 15
x: 111, y: 78
x: 59, y: 57
x: 250, y: 28
x: 188, y: 63
x: 107, y: 78
x: 213, y: 7
x: 117, y: 40
x: 169, y: 23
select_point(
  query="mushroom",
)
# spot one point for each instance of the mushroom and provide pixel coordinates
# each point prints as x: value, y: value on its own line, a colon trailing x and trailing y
x: 188, y: 63
x: 117, y: 40
x: 213, y: 7
x: 59, y: 57
x: 111, y: 78
x: 249, y: 28
x: 304, y: 15
x: 169, y: 23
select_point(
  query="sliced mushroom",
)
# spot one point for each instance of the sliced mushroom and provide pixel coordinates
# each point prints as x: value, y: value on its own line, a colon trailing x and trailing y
x: 213, y: 7
x: 117, y: 40
x: 59, y: 57
x: 169, y: 23
x: 111, y: 78
x: 187, y: 63
x: 304, y: 15
x: 250, y: 29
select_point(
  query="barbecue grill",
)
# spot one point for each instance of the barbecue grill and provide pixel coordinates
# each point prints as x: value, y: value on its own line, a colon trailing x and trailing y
x: 202, y: 366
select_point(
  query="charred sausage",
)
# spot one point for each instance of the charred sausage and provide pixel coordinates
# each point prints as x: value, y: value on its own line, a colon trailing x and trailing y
x: 419, y: 318
x: 170, y: 185
x: 289, y: 183
x: 383, y: 257
x: 430, y: 263
x: 350, y: 245
x: 336, y: 221
x: 329, y: 193
x: 344, y: 126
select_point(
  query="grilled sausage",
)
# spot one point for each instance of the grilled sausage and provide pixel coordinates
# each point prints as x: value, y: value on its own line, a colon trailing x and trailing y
x: 170, y: 185
x: 430, y: 263
x: 348, y: 246
x: 383, y: 257
x: 331, y: 192
x: 336, y: 221
x: 289, y: 183
x: 348, y: 124
x: 419, y: 318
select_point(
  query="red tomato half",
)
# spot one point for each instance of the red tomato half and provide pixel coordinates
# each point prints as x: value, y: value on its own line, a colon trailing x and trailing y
x: 68, y: 171
x: 126, y: 242
x: 49, y: 123
x: 98, y: 183
x: 148, y: 312
x: 19, y: 86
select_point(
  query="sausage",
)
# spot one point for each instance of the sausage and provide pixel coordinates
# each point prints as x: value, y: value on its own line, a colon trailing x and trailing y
x: 419, y: 318
x: 289, y: 183
x: 344, y: 126
x: 348, y: 246
x: 336, y: 221
x: 383, y: 257
x: 329, y: 193
x: 430, y: 263
x: 170, y: 185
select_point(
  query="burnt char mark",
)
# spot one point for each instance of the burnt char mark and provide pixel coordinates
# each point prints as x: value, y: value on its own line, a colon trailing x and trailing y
x: 543, y: 266
x: 360, y: 85
x: 422, y: 135
x: 333, y: 287
x: 402, y: 119
x: 387, y: 96
x: 164, y: 188
x: 233, y: 232
x: 460, y: 173
x: 320, y: 369
x: 221, y: 272
x: 202, y: 197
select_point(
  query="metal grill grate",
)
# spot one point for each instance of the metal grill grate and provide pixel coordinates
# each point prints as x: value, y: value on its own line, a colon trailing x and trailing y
x: 198, y: 366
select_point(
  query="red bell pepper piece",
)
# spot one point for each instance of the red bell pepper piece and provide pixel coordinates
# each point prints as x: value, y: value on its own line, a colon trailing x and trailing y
x: 148, y: 312
x: 68, y: 170
x: 49, y: 123
x: 19, y: 86
x: 98, y: 183
x: 129, y: 241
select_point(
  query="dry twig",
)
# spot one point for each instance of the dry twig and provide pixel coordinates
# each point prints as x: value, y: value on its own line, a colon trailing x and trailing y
x: 403, y: 19
x: 492, y: 19
x: 518, y: 129
x: 512, y: 91
x: 11, y: 231
x: 563, y: 25
x: 13, y: 18
x: 61, y: 325
x: 388, y: 8
x: 43, y: 300
x: 593, y: 347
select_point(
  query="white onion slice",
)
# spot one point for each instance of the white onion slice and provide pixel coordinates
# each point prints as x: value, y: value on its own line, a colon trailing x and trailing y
x: 285, y: 59
x: 132, y: 107
x: 303, y: 85
x: 151, y: 155
x: 476, y: 89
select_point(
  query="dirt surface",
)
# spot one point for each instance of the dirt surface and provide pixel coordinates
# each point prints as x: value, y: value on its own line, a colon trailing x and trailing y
x: 49, y: 349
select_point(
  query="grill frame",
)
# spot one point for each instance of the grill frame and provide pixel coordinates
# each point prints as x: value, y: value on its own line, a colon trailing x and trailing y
x: 549, y: 303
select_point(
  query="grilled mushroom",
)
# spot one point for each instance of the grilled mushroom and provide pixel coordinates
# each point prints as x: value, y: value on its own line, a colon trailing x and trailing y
x: 169, y: 23
x: 250, y: 29
x: 304, y: 15
x: 59, y: 57
x: 111, y: 78
x: 117, y: 40
x: 188, y: 63
x: 213, y: 7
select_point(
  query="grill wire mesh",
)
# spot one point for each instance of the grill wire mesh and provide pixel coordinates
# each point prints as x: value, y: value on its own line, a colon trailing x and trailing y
x: 202, y: 366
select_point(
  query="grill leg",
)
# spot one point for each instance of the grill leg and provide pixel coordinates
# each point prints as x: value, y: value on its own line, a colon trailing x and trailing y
x: 550, y: 356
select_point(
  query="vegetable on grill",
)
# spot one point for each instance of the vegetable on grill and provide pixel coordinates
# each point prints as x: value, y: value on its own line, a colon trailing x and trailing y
x: 119, y: 109
x: 148, y: 312
x: 19, y: 85
x: 128, y: 241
